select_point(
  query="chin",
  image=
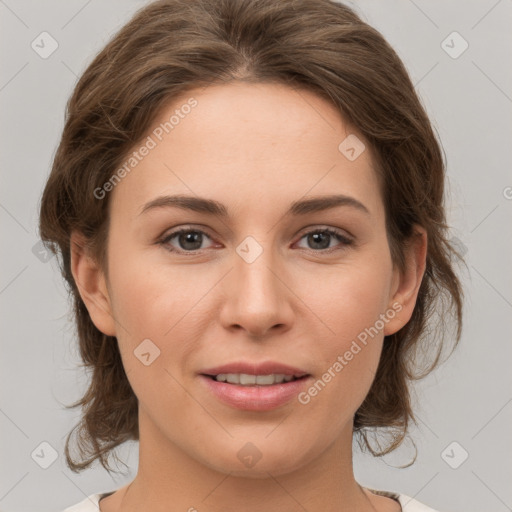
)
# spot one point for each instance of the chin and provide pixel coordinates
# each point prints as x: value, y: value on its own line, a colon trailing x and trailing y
x: 249, y: 462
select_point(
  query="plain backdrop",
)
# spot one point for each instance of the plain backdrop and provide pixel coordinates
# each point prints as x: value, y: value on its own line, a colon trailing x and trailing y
x: 464, y: 459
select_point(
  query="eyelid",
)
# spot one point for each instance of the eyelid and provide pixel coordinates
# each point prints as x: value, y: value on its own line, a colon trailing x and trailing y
x: 346, y: 239
x: 323, y: 227
x: 172, y: 232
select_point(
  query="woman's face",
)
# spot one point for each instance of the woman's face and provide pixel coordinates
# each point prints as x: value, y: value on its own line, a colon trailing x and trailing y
x: 250, y: 286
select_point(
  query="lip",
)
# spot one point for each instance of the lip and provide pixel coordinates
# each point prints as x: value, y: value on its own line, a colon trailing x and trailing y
x: 264, y: 368
x: 255, y: 398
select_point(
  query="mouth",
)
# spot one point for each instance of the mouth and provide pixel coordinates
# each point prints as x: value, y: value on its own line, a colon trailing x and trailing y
x: 244, y: 373
x: 255, y: 387
x: 245, y: 379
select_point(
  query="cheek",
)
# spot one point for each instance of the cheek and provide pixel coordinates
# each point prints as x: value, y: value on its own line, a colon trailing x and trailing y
x: 346, y: 359
x: 170, y: 305
x: 349, y: 299
x: 150, y: 296
x: 351, y: 303
x: 156, y: 314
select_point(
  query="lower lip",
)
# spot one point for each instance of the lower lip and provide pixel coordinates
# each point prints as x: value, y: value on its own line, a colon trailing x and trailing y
x: 255, y: 398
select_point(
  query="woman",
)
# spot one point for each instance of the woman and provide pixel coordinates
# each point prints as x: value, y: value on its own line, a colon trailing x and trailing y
x: 248, y: 204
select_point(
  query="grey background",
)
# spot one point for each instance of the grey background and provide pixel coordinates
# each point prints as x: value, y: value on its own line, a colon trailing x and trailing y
x: 468, y: 400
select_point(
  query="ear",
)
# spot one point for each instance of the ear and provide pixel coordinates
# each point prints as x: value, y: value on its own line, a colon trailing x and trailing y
x: 405, y: 285
x: 91, y: 284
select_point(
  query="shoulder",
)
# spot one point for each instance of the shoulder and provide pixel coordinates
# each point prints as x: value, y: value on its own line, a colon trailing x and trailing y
x: 89, y: 504
x: 411, y: 505
x: 407, y: 503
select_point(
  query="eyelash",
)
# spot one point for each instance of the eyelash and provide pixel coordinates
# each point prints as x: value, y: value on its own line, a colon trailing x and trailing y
x: 333, y: 232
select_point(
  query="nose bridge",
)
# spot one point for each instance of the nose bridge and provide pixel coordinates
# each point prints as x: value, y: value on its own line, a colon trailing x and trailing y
x: 256, y: 299
x: 253, y: 270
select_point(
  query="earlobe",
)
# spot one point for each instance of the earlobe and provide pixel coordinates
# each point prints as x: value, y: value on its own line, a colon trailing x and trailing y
x: 406, y: 285
x: 91, y: 284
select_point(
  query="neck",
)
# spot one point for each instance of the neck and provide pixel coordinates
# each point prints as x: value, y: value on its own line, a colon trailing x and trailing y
x: 167, y: 475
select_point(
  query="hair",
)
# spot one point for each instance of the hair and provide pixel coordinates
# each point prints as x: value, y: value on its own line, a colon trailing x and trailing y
x: 172, y: 46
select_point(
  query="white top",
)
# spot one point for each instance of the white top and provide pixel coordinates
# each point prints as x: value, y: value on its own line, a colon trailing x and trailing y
x: 90, y: 504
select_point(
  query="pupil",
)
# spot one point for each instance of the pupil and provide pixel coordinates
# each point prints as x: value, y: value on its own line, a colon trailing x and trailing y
x: 192, y: 237
x: 317, y: 236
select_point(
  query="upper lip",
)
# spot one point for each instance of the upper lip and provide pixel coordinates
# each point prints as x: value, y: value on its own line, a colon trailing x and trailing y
x: 264, y: 368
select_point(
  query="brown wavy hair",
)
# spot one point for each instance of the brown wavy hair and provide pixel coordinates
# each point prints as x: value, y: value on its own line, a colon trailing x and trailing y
x: 172, y: 46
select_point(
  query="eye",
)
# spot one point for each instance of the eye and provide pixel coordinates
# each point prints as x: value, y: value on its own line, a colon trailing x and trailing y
x: 190, y: 240
x: 320, y: 239
x: 187, y: 239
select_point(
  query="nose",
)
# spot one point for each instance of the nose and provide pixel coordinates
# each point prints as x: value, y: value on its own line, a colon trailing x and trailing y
x: 257, y: 297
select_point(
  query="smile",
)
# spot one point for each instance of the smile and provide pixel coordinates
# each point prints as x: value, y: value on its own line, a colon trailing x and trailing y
x: 255, y: 392
x: 244, y: 379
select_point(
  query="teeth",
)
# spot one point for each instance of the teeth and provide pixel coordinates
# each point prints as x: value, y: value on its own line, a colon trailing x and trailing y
x: 243, y: 379
x: 266, y: 380
x: 232, y: 378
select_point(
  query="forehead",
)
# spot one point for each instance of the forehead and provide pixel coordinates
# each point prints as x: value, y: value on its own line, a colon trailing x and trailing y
x: 240, y: 143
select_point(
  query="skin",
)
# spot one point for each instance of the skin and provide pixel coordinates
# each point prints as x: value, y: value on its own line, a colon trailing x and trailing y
x: 256, y: 148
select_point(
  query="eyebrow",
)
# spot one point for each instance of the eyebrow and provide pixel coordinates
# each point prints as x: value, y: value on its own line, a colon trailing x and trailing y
x: 212, y: 207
